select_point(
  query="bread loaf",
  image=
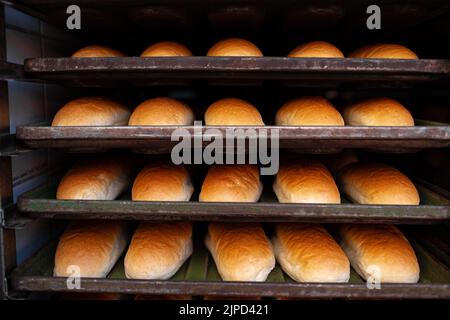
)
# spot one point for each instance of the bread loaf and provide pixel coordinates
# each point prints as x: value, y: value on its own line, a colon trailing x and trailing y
x: 161, y: 112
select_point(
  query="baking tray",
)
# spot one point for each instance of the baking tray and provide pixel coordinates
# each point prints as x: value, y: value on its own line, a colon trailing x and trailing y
x: 157, y: 139
x: 199, y: 276
x: 134, y: 70
x: 41, y: 203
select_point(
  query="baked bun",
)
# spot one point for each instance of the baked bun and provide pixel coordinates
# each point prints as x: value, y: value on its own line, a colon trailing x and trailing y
x: 378, y: 112
x: 383, y: 51
x: 380, y: 253
x: 241, y: 251
x: 234, y: 47
x: 161, y: 112
x: 92, y: 111
x: 305, y: 181
x: 90, y: 247
x: 162, y: 182
x: 308, y: 111
x: 231, y: 183
x: 97, y: 180
x: 376, y: 183
x: 232, y: 112
x: 97, y: 52
x: 166, y: 49
x: 316, y: 49
x: 308, y: 253
x: 158, y: 250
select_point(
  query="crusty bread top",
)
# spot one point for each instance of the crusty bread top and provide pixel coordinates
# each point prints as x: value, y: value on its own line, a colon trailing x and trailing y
x: 316, y: 49
x: 166, y: 49
x: 162, y: 182
x: 92, y: 111
x: 240, y: 250
x: 305, y: 181
x: 308, y: 111
x: 383, y: 246
x: 157, y: 248
x: 312, y: 251
x: 376, y: 183
x: 89, y: 245
x: 378, y: 112
x: 383, y: 51
x: 161, y: 111
x: 234, y: 47
x: 232, y: 111
x: 103, y: 179
x: 231, y: 183
x: 97, y: 52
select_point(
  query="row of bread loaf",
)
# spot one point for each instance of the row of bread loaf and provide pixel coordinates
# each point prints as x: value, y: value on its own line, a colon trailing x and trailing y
x: 300, y: 180
x: 241, y: 48
x: 241, y: 251
x: 304, y: 111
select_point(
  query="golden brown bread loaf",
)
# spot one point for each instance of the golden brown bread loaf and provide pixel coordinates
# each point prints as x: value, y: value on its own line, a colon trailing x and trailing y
x: 231, y: 183
x: 92, y: 111
x: 383, y: 51
x: 376, y: 183
x: 232, y: 112
x: 241, y: 251
x: 308, y: 111
x: 380, y: 252
x: 158, y: 250
x: 104, y: 179
x: 308, y: 253
x: 161, y: 111
x: 97, y: 52
x: 162, y: 182
x: 316, y: 49
x: 234, y: 47
x: 378, y: 112
x: 305, y: 181
x: 90, y: 247
x: 166, y: 49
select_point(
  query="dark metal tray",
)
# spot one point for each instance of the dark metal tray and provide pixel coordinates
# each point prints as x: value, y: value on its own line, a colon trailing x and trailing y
x: 157, y: 139
x: 91, y: 71
x: 41, y: 203
x: 199, y: 276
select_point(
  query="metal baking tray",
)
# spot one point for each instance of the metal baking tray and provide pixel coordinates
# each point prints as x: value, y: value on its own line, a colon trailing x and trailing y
x: 157, y: 139
x: 41, y: 203
x: 91, y: 71
x: 199, y: 276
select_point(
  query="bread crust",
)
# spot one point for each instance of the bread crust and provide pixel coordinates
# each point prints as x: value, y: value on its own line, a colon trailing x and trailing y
x: 232, y: 112
x: 316, y: 49
x: 383, y: 51
x: 97, y: 52
x: 308, y: 253
x: 241, y: 251
x: 305, y: 181
x: 103, y: 179
x: 378, y: 112
x: 166, y: 49
x: 231, y: 183
x: 92, y: 111
x: 161, y: 111
x: 308, y: 111
x: 162, y: 181
x: 92, y: 246
x: 376, y: 183
x: 381, y: 252
x: 158, y: 250
x: 234, y: 47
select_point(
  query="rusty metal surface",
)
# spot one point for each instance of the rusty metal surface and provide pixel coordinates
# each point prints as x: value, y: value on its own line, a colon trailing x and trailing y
x: 158, y: 139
